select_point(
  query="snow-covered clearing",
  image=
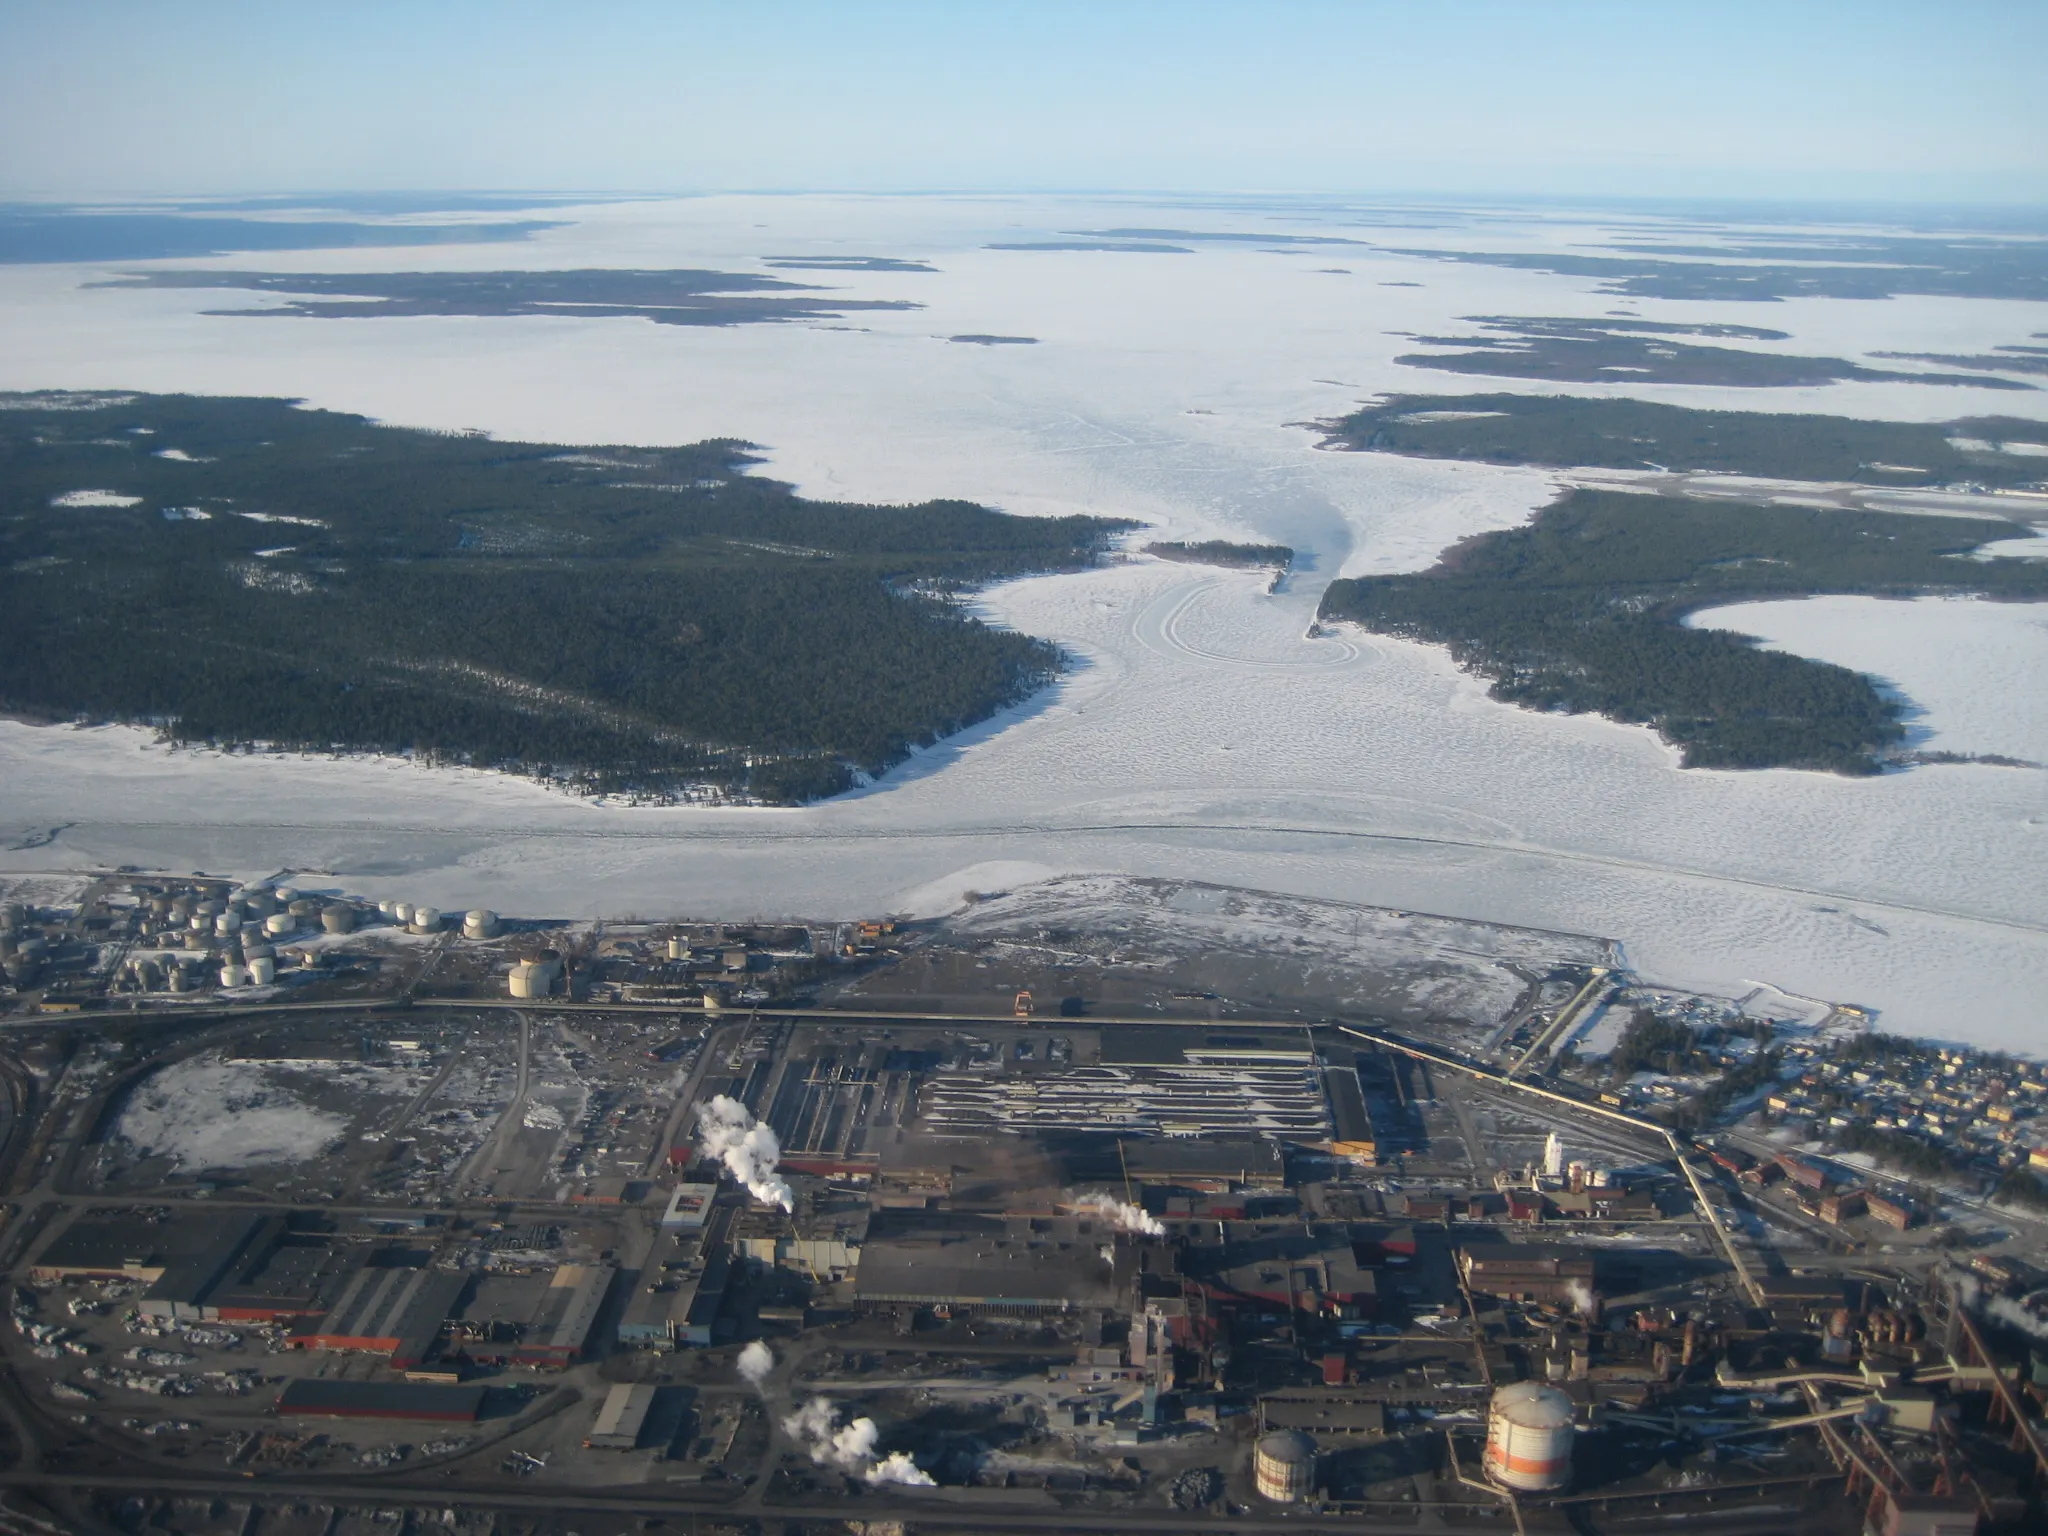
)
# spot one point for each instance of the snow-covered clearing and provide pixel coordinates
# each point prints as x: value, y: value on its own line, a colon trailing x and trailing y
x: 212, y: 1113
x: 1200, y: 736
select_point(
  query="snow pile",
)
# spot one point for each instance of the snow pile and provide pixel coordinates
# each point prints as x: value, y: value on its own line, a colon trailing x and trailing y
x: 1123, y: 1216
x: 211, y: 1113
x: 749, y: 1150
x: 850, y: 1447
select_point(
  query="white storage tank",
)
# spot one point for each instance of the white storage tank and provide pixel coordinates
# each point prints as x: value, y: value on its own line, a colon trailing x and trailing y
x: 479, y: 923
x: 284, y: 895
x: 1284, y: 1466
x: 388, y: 909
x: 278, y: 923
x: 338, y: 918
x: 1529, y: 1438
x: 401, y: 912
x: 425, y: 920
x: 262, y: 971
x: 232, y: 975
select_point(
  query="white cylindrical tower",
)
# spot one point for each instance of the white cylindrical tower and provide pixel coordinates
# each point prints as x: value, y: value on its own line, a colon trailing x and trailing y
x: 425, y: 920
x: 1284, y: 1466
x: 262, y: 971
x: 1529, y: 1438
x: 479, y: 923
x: 232, y: 975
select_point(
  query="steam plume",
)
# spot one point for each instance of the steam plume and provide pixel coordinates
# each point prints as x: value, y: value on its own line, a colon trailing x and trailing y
x: 850, y: 1447
x: 755, y: 1362
x: 1124, y: 1216
x: 749, y: 1150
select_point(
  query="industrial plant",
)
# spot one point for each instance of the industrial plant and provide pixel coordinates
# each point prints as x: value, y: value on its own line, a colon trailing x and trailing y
x: 347, y: 1211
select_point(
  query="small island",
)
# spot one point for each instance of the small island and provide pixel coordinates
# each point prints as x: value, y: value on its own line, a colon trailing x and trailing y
x: 1242, y: 557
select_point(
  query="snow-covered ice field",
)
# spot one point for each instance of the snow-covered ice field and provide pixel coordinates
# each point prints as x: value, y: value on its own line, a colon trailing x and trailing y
x: 1200, y: 734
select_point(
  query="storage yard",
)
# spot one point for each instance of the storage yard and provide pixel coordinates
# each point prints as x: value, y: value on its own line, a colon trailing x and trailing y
x: 675, y: 1224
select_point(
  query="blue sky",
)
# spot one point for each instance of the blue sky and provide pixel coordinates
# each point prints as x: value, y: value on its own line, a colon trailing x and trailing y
x: 1725, y: 98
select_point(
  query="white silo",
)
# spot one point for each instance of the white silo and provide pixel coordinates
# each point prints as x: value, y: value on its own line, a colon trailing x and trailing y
x: 233, y: 975
x: 262, y: 971
x: 425, y: 920
x: 479, y: 923
x: 1284, y: 1467
x: 401, y: 912
x: 278, y: 924
x: 1529, y: 1438
x: 227, y: 925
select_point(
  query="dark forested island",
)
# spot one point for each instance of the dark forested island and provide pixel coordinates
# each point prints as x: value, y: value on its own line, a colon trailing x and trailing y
x: 639, y: 620
x: 1247, y: 557
x: 1566, y: 431
x: 1627, y: 349
x: 667, y: 296
x: 1853, y: 266
x: 1583, y: 609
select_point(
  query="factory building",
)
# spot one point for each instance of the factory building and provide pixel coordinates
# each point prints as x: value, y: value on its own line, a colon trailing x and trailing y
x: 1283, y: 1267
x: 622, y: 1418
x: 689, y: 1205
x: 1527, y: 1271
x: 397, y: 1313
x: 560, y: 1327
x: 1022, y: 1268
x: 1352, y: 1133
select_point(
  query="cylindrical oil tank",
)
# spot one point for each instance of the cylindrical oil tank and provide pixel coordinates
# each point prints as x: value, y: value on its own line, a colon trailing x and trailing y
x: 1284, y: 1466
x: 182, y: 907
x: 425, y: 920
x: 388, y: 909
x: 177, y: 978
x: 338, y: 919
x: 232, y: 975
x: 285, y: 895
x: 304, y: 911
x: 678, y: 947
x: 1529, y: 1438
x: 259, y: 900
x: 479, y: 923
x: 262, y: 970
x: 401, y: 912
x: 278, y: 923
x: 256, y: 949
x: 13, y: 916
x: 227, y: 925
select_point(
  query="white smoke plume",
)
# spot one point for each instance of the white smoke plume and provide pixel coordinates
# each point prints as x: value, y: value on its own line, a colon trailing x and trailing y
x: 1582, y: 1298
x: 749, y: 1150
x: 2011, y: 1312
x: 1123, y: 1216
x: 755, y: 1362
x: 850, y: 1447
